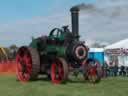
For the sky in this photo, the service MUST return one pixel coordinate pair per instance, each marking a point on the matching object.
(20, 20)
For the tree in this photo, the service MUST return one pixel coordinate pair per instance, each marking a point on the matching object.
(13, 47)
(98, 45)
(12, 51)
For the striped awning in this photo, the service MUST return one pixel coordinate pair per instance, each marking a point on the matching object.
(116, 51)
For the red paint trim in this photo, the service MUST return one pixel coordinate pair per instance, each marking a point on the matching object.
(23, 74)
(57, 72)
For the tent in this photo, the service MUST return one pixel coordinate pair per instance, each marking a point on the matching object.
(3, 54)
(118, 53)
(120, 44)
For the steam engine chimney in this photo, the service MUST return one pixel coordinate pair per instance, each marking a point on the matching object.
(75, 22)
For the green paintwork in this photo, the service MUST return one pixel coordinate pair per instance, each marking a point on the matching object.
(59, 50)
(33, 44)
(59, 35)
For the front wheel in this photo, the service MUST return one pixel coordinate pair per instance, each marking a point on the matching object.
(93, 70)
(59, 71)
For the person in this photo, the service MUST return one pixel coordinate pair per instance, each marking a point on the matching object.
(115, 67)
(111, 68)
(127, 71)
(122, 71)
(105, 69)
(115, 70)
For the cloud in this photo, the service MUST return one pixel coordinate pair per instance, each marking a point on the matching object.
(105, 21)
(20, 32)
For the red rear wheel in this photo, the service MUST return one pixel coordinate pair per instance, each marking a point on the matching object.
(27, 64)
(93, 70)
(59, 71)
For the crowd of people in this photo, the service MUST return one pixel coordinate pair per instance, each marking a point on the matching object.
(112, 69)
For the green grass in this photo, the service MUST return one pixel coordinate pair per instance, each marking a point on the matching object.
(117, 86)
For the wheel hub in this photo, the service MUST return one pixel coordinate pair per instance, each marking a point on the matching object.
(23, 64)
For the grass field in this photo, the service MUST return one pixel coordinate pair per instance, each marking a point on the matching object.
(117, 86)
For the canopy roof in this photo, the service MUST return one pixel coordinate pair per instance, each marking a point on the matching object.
(123, 44)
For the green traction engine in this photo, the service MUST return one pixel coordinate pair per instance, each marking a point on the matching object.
(56, 55)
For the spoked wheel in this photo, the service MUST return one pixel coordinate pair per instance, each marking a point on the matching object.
(93, 70)
(59, 71)
(28, 64)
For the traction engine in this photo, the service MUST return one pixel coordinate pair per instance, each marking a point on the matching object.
(56, 54)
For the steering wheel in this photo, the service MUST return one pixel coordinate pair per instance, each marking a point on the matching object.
(56, 32)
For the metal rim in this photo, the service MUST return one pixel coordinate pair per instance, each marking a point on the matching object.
(76, 51)
(82, 48)
(59, 71)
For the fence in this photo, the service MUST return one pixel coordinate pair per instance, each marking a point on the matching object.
(8, 67)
